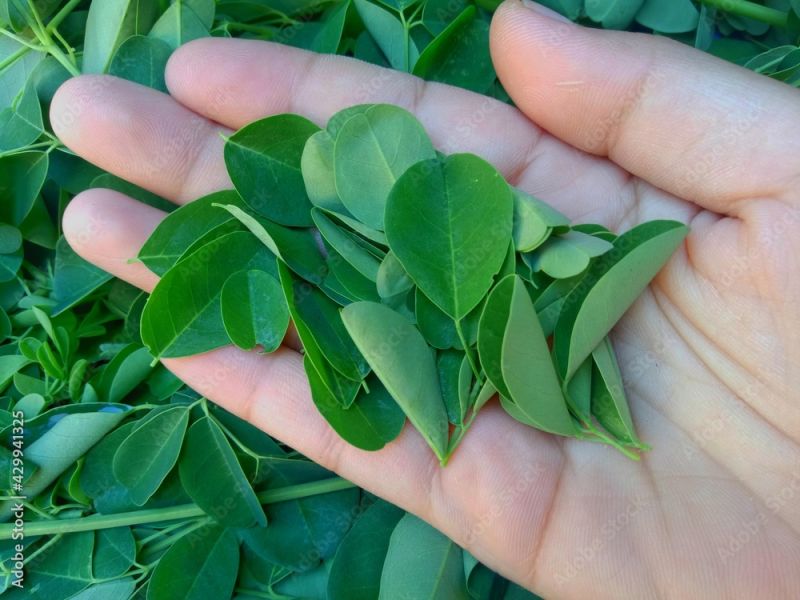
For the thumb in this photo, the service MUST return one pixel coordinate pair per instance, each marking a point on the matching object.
(694, 125)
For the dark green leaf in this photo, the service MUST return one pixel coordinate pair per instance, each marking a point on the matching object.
(147, 455)
(114, 552)
(613, 14)
(254, 310)
(357, 566)
(677, 16)
(21, 178)
(199, 566)
(373, 420)
(227, 495)
(183, 314)
(263, 160)
(142, 60)
(110, 23)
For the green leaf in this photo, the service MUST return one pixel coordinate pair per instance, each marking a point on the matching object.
(533, 221)
(63, 570)
(569, 8)
(448, 364)
(126, 375)
(579, 391)
(677, 16)
(460, 54)
(147, 455)
(21, 123)
(404, 363)
(263, 160)
(449, 222)
(373, 420)
(613, 14)
(183, 314)
(364, 257)
(371, 151)
(392, 278)
(21, 178)
(316, 164)
(199, 566)
(65, 442)
(227, 496)
(114, 552)
(114, 588)
(254, 310)
(355, 285)
(491, 332)
(109, 24)
(527, 367)
(611, 286)
(298, 248)
(180, 230)
(390, 35)
(16, 74)
(321, 330)
(75, 278)
(142, 60)
(356, 574)
(422, 563)
(438, 329)
(608, 400)
(438, 14)
(178, 25)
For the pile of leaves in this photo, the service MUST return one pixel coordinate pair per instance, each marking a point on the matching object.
(454, 284)
(112, 507)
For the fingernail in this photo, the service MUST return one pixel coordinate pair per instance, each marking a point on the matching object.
(545, 12)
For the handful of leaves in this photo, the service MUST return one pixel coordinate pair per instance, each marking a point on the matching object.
(420, 285)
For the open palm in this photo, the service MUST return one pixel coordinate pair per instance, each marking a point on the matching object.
(637, 128)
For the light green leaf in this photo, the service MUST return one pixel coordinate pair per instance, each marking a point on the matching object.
(364, 257)
(371, 151)
(608, 399)
(611, 286)
(422, 563)
(227, 496)
(110, 23)
(449, 222)
(392, 278)
(390, 34)
(491, 332)
(178, 25)
(263, 160)
(404, 363)
(316, 164)
(21, 123)
(528, 370)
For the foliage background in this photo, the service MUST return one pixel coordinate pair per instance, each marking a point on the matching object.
(131, 480)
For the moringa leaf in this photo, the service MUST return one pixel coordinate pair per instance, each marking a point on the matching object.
(404, 363)
(263, 160)
(449, 223)
(371, 151)
(254, 310)
(612, 284)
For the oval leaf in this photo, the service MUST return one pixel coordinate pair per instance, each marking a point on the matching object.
(254, 310)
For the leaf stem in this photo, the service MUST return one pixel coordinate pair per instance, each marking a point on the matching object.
(751, 10)
(61, 15)
(14, 56)
(170, 513)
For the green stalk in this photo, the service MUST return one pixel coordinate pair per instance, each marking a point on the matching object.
(751, 10)
(13, 57)
(170, 513)
(62, 14)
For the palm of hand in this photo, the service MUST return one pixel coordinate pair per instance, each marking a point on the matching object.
(708, 353)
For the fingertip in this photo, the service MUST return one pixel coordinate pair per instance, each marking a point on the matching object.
(71, 101)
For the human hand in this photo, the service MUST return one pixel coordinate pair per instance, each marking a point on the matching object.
(638, 128)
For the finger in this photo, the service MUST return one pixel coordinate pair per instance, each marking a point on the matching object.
(140, 135)
(271, 391)
(108, 229)
(234, 82)
(694, 125)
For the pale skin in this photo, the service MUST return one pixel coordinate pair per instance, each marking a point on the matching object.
(614, 128)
